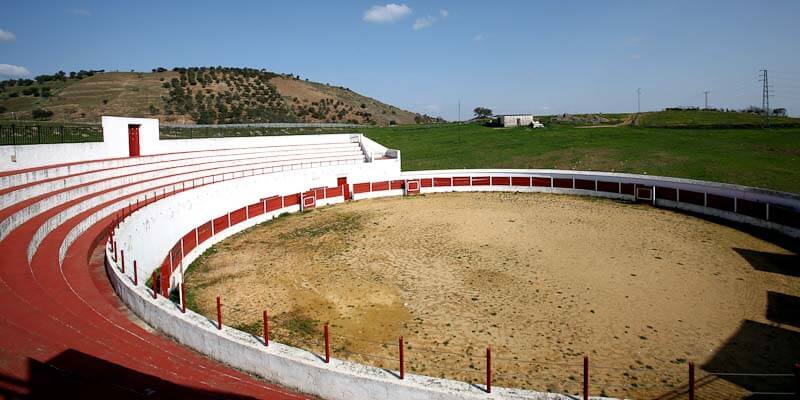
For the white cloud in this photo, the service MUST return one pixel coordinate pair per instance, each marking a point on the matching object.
(428, 20)
(6, 36)
(388, 13)
(479, 37)
(423, 22)
(13, 71)
(78, 11)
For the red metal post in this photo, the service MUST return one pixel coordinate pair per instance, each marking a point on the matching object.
(114, 245)
(327, 345)
(122, 257)
(691, 380)
(183, 299)
(402, 360)
(154, 277)
(585, 377)
(135, 274)
(266, 328)
(489, 368)
(219, 314)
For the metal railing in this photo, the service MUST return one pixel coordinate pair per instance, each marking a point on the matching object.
(14, 134)
(250, 130)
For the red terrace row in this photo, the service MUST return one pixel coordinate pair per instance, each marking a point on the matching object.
(760, 210)
(197, 236)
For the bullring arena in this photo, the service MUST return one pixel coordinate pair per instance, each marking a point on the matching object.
(517, 284)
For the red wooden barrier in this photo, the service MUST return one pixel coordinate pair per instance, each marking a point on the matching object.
(327, 345)
(122, 257)
(255, 209)
(361, 187)
(266, 328)
(135, 274)
(189, 241)
(204, 232)
(402, 360)
(585, 377)
(219, 314)
(238, 216)
(520, 181)
(461, 181)
(489, 369)
(274, 203)
(691, 381)
(501, 180)
(480, 181)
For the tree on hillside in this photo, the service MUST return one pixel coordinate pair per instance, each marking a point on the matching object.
(482, 112)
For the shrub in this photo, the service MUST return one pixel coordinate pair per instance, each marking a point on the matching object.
(41, 113)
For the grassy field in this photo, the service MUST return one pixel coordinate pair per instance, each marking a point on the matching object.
(710, 119)
(753, 157)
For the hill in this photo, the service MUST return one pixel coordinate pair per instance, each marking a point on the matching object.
(207, 95)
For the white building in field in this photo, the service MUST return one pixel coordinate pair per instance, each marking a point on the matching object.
(512, 120)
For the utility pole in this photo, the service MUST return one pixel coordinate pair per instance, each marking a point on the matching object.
(706, 93)
(638, 100)
(764, 78)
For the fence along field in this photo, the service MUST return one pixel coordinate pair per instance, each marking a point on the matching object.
(544, 279)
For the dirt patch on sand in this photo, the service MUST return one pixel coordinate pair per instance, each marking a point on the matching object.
(544, 278)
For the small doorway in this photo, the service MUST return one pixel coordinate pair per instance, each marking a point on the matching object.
(133, 140)
(342, 183)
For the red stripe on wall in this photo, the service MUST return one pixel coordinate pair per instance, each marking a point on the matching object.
(501, 180)
(220, 223)
(361, 187)
(397, 185)
(610, 187)
(238, 216)
(565, 183)
(520, 181)
(426, 182)
(203, 232)
(480, 181)
(292, 199)
(255, 209)
(461, 181)
(584, 184)
(666, 193)
(442, 182)
(189, 241)
(379, 186)
(334, 191)
(628, 188)
(545, 182)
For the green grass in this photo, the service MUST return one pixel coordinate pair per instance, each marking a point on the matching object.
(710, 119)
(768, 158)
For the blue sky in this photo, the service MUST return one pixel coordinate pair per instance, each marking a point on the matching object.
(527, 56)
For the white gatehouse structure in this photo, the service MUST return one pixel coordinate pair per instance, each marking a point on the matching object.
(161, 209)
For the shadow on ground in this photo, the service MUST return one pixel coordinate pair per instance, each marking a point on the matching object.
(77, 375)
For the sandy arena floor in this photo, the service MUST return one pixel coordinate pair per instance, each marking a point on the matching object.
(544, 278)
